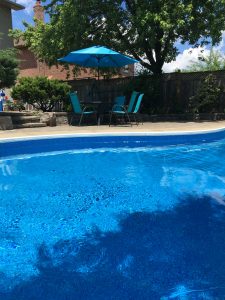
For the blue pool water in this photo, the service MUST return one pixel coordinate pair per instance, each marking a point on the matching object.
(112, 222)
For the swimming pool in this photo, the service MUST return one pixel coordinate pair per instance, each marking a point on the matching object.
(113, 217)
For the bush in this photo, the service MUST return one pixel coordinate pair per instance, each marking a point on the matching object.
(12, 106)
(41, 92)
(8, 68)
(207, 98)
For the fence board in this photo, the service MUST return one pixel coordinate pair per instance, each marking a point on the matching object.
(174, 91)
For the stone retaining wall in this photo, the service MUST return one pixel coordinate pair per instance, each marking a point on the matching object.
(6, 123)
(184, 117)
(62, 118)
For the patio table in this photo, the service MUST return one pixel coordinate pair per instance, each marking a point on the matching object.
(101, 108)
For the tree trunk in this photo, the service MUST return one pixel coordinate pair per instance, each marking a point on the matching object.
(155, 67)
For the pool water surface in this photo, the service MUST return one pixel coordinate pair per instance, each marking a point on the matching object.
(114, 223)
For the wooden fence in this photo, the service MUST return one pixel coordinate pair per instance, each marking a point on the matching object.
(104, 90)
(169, 93)
(177, 88)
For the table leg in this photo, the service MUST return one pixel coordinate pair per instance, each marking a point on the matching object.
(99, 119)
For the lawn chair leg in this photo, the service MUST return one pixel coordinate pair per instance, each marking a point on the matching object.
(81, 117)
(124, 119)
(116, 117)
(71, 120)
(141, 119)
(99, 120)
(110, 119)
(135, 119)
(129, 119)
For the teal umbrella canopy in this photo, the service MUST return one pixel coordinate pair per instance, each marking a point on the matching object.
(99, 57)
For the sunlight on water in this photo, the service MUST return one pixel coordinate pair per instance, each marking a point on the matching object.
(50, 197)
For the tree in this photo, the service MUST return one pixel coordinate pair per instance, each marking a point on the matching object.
(206, 100)
(41, 92)
(214, 61)
(8, 68)
(147, 30)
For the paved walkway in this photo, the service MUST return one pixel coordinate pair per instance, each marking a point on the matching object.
(147, 127)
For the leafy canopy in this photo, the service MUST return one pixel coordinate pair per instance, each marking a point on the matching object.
(41, 92)
(8, 68)
(147, 30)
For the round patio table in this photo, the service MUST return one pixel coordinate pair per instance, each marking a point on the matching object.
(101, 108)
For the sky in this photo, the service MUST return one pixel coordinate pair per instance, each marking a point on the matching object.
(186, 56)
(23, 15)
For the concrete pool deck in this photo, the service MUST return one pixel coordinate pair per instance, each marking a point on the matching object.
(159, 127)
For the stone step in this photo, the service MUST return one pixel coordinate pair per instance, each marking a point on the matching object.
(25, 119)
(16, 113)
(29, 125)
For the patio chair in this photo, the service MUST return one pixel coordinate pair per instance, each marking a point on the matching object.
(120, 100)
(78, 110)
(118, 103)
(137, 108)
(121, 110)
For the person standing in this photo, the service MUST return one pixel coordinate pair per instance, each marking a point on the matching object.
(2, 98)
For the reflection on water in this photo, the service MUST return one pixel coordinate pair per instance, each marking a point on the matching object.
(8, 167)
(194, 181)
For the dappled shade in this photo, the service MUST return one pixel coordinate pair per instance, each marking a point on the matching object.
(158, 255)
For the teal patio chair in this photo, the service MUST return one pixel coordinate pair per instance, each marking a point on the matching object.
(122, 110)
(78, 110)
(137, 108)
(119, 102)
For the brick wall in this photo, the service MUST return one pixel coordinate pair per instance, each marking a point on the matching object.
(30, 66)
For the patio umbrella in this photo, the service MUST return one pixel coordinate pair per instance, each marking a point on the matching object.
(98, 57)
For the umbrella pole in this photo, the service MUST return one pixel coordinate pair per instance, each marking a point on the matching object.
(98, 84)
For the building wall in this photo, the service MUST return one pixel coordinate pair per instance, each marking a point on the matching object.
(5, 25)
(31, 67)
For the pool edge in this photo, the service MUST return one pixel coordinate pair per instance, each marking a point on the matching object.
(113, 134)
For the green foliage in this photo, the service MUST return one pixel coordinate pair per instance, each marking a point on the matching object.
(41, 92)
(8, 68)
(147, 30)
(14, 106)
(213, 62)
(207, 97)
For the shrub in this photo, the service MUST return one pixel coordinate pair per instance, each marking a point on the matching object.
(41, 92)
(8, 68)
(207, 97)
(12, 106)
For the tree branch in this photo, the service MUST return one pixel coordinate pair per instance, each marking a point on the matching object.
(128, 46)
